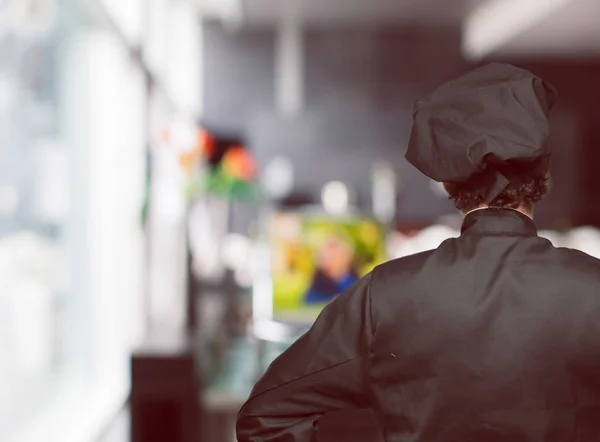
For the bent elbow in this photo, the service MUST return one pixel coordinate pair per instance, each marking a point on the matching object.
(248, 427)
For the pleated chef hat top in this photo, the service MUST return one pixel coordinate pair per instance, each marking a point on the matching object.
(493, 120)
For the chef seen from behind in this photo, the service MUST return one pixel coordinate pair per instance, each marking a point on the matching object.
(492, 337)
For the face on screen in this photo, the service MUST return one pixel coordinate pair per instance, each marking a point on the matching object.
(315, 258)
(335, 258)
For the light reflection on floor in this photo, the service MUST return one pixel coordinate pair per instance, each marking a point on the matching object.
(119, 430)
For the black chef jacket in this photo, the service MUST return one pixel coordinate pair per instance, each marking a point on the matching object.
(492, 337)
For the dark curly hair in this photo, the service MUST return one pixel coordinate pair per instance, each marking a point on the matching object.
(522, 192)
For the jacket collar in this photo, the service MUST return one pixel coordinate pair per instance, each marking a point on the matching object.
(498, 222)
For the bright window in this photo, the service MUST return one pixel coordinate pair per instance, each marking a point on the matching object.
(72, 177)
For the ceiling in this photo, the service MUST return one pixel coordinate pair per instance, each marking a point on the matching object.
(571, 28)
(572, 31)
(359, 12)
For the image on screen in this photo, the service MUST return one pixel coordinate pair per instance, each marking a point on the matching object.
(316, 257)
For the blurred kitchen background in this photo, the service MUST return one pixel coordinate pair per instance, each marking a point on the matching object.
(160, 160)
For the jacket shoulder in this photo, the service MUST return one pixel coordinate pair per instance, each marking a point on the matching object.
(577, 260)
(403, 266)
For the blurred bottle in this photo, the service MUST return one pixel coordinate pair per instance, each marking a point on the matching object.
(383, 182)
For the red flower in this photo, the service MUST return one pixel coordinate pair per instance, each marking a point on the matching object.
(206, 143)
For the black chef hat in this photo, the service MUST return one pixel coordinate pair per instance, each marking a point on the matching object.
(488, 122)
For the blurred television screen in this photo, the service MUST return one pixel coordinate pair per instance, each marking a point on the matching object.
(316, 257)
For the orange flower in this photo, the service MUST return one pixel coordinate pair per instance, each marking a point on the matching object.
(239, 164)
(187, 161)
